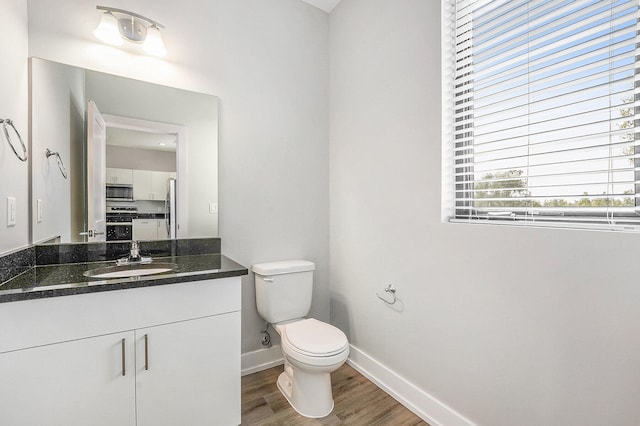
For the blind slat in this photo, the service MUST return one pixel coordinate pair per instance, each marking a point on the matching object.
(544, 111)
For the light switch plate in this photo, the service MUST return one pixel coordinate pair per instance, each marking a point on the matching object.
(11, 211)
(213, 208)
(39, 210)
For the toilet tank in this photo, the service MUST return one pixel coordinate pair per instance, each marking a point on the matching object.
(283, 289)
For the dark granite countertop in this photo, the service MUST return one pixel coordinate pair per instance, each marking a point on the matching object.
(149, 216)
(52, 280)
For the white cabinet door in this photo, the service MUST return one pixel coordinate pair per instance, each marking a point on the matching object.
(124, 176)
(188, 373)
(163, 232)
(74, 383)
(142, 185)
(159, 185)
(149, 229)
(150, 185)
(121, 176)
(145, 229)
(111, 175)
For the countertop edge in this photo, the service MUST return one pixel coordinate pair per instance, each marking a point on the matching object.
(88, 287)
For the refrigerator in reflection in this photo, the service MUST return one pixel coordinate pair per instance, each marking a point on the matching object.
(170, 209)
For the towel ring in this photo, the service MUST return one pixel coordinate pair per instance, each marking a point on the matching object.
(6, 134)
(49, 153)
(390, 290)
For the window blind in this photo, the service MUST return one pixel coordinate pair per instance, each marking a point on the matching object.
(545, 112)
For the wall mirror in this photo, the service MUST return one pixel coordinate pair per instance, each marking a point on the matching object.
(109, 151)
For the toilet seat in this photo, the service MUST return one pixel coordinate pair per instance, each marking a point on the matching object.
(313, 342)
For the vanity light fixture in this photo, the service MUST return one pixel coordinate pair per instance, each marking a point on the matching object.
(117, 26)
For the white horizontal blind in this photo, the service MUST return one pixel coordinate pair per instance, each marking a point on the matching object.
(546, 111)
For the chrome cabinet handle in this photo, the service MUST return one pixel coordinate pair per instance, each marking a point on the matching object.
(146, 352)
(124, 370)
(91, 233)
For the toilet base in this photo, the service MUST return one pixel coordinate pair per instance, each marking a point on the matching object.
(310, 395)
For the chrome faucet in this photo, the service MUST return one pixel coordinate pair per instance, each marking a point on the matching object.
(134, 256)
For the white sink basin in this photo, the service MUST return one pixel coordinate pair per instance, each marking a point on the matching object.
(130, 270)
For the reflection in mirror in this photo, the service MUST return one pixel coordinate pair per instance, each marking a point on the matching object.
(156, 138)
(141, 179)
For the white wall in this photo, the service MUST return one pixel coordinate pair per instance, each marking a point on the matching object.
(57, 113)
(507, 326)
(122, 157)
(268, 63)
(14, 174)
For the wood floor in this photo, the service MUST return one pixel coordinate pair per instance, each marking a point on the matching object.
(357, 402)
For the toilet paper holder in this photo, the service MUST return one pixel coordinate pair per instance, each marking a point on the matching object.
(390, 289)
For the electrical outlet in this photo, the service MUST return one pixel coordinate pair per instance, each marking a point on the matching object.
(11, 211)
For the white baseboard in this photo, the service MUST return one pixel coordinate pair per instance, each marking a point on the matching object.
(262, 359)
(421, 403)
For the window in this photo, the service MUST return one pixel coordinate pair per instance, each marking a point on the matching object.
(543, 113)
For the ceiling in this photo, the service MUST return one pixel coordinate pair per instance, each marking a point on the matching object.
(141, 140)
(326, 5)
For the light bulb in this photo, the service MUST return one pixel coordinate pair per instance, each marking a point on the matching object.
(153, 44)
(107, 30)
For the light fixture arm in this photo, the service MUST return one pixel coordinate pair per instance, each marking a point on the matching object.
(132, 14)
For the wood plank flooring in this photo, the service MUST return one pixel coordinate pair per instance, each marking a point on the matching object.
(357, 402)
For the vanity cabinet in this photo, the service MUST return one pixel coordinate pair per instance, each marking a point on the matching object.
(78, 382)
(150, 185)
(121, 176)
(184, 356)
(154, 356)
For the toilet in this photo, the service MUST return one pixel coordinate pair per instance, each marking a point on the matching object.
(312, 349)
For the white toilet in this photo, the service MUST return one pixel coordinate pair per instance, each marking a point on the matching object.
(312, 349)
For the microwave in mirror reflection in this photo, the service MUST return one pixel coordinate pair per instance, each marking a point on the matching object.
(119, 192)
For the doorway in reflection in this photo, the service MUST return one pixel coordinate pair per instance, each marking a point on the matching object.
(141, 179)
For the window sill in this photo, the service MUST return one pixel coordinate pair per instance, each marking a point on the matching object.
(541, 224)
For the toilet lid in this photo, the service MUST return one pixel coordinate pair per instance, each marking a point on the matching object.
(315, 337)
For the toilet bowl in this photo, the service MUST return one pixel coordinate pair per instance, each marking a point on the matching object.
(312, 349)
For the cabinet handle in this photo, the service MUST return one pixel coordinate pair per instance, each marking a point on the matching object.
(124, 371)
(146, 351)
